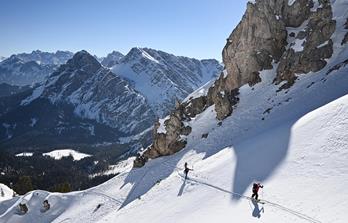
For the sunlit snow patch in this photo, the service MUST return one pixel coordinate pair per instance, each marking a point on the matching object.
(58, 154)
(25, 154)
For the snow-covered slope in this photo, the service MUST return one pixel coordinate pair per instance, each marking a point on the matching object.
(294, 141)
(6, 193)
(163, 77)
(60, 153)
(300, 160)
(299, 152)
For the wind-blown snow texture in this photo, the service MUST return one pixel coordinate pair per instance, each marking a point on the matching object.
(295, 142)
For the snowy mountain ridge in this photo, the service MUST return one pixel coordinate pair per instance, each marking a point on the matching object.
(89, 91)
(112, 59)
(83, 101)
(162, 77)
(31, 68)
(57, 58)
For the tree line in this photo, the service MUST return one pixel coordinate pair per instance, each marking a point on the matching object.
(24, 174)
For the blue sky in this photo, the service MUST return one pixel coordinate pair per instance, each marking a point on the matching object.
(194, 28)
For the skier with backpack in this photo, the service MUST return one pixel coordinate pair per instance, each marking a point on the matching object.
(256, 187)
(186, 170)
(46, 205)
(23, 208)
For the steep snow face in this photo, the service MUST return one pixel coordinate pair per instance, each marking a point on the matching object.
(163, 77)
(28, 69)
(60, 153)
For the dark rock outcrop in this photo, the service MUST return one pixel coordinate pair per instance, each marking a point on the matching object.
(316, 46)
(168, 142)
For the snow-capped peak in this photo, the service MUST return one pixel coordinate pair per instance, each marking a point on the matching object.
(164, 77)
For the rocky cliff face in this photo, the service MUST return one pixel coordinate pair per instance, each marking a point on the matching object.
(295, 36)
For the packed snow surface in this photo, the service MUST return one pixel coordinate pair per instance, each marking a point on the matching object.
(58, 154)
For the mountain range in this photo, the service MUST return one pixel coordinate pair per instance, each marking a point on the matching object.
(83, 102)
(31, 68)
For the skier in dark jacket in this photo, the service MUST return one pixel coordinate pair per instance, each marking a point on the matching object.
(256, 187)
(186, 170)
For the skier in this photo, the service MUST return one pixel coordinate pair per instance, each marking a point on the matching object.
(46, 205)
(23, 208)
(2, 193)
(186, 170)
(256, 187)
